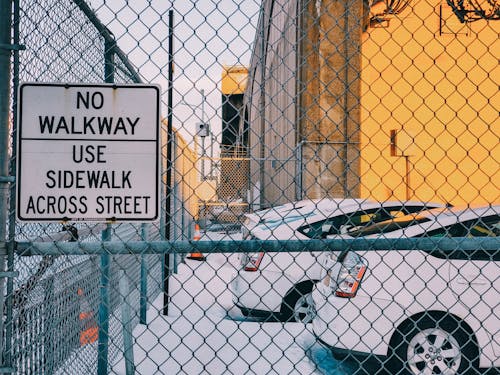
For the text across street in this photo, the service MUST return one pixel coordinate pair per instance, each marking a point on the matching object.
(88, 152)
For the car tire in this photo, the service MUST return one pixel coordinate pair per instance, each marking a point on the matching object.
(297, 304)
(440, 344)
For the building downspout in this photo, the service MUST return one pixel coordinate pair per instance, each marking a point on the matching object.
(346, 107)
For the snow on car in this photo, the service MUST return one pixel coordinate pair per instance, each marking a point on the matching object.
(429, 312)
(280, 284)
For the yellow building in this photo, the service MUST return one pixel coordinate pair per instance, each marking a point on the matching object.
(430, 107)
(401, 106)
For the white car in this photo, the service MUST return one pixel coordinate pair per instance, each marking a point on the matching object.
(280, 284)
(426, 312)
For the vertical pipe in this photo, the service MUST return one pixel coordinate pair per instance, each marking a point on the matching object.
(109, 61)
(168, 214)
(103, 337)
(203, 158)
(202, 105)
(345, 121)
(144, 279)
(128, 351)
(299, 37)
(13, 169)
(299, 193)
(5, 91)
(48, 345)
(262, 107)
(407, 177)
(203, 151)
(177, 199)
(178, 211)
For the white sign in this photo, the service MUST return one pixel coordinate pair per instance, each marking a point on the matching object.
(88, 152)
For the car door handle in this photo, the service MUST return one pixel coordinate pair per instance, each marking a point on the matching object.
(472, 280)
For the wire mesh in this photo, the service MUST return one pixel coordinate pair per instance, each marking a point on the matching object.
(328, 200)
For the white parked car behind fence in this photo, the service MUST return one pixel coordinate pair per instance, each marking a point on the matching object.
(280, 284)
(429, 312)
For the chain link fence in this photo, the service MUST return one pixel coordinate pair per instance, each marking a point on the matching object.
(328, 190)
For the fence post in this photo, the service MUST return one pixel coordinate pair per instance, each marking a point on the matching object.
(5, 93)
(103, 339)
(48, 303)
(168, 199)
(178, 216)
(144, 279)
(128, 351)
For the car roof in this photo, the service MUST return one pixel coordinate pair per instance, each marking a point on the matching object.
(326, 208)
(302, 207)
(331, 204)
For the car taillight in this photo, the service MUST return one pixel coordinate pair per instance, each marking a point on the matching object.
(251, 261)
(350, 275)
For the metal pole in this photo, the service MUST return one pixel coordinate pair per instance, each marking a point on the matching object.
(203, 158)
(262, 109)
(203, 150)
(128, 341)
(245, 246)
(212, 141)
(5, 92)
(202, 106)
(345, 120)
(48, 317)
(13, 169)
(144, 279)
(168, 213)
(178, 229)
(109, 61)
(407, 177)
(103, 338)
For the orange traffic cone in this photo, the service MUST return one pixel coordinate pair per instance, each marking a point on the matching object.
(89, 331)
(196, 237)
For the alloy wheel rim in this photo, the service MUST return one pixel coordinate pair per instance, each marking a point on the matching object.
(434, 351)
(303, 310)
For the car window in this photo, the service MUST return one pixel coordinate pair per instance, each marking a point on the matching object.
(481, 227)
(354, 221)
(389, 225)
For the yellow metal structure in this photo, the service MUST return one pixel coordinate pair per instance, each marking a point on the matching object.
(234, 79)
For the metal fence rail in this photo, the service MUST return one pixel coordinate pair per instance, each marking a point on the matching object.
(328, 190)
(238, 246)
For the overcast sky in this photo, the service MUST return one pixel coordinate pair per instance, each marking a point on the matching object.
(208, 35)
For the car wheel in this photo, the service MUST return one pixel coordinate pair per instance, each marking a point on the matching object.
(298, 305)
(433, 346)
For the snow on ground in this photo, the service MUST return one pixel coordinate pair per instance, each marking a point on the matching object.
(205, 334)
